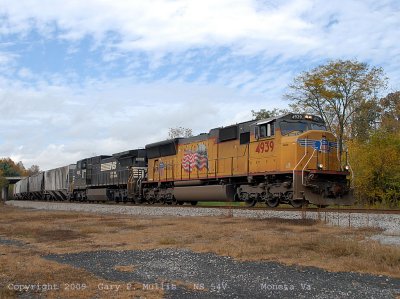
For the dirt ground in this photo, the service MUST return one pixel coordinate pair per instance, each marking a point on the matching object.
(27, 235)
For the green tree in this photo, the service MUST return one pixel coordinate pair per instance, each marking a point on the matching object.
(264, 114)
(377, 168)
(21, 167)
(390, 112)
(3, 181)
(9, 168)
(364, 121)
(338, 92)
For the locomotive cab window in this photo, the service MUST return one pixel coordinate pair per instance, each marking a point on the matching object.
(293, 128)
(317, 126)
(267, 130)
(298, 127)
(245, 138)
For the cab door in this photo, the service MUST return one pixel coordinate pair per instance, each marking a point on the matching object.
(263, 149)
(156, 170)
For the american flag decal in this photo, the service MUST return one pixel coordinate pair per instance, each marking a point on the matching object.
(197, 159)
(322, 145)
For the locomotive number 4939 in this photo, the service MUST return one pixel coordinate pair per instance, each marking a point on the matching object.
(265, 146)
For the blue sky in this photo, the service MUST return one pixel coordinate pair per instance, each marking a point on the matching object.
(79, 78)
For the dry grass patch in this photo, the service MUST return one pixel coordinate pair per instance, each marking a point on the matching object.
(57, 235)
(168, 241)
(300, 241)
(37, 232)
(282, 221)
(6, 293)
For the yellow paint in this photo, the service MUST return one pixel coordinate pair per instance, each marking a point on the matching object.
(263, 156)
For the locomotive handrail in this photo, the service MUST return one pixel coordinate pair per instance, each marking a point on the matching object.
(302, 171)
(294, 169)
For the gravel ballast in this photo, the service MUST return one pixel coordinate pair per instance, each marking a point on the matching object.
(11, 242)
(186, 274)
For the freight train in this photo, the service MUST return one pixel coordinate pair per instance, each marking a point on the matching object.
(285, 159)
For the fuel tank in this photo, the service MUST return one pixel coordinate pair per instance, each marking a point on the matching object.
(205, 193)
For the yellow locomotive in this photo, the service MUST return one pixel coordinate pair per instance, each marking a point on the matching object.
(286, 159)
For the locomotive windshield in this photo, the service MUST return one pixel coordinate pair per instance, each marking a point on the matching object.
(315, 126)
(296, 128)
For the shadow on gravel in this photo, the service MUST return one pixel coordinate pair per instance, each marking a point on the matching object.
(187, 274)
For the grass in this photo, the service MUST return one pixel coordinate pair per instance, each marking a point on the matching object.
(293, 242)
(168, 241)
(6, 293)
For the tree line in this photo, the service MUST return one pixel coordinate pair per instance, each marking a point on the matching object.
(347, 94)
(8, 168)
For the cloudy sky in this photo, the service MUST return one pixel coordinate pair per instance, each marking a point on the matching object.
(82, 78)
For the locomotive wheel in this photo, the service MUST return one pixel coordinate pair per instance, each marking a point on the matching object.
(193, 203)
(272, 202)
(174, 201)
(137, 201)
(251, 202)
(297, 203)
(181, 203)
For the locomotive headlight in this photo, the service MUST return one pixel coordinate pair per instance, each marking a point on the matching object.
(320, 166)
(347, 167)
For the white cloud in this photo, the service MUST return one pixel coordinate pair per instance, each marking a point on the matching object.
(5, 58)
(292, 27)
(311, 30)
(25, 73)
(56, 125)
(51, 123)
(166, 25)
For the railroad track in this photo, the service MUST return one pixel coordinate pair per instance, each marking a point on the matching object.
(256, 208)
(321, 210)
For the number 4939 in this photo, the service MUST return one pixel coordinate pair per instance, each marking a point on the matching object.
(265, 146)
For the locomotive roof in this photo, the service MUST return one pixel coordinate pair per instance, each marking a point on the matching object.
(168, 147)
(130, 153)
(292, 116)
(267, 120)
(164, 142)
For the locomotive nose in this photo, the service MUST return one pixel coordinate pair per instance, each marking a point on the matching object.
(318, 149)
